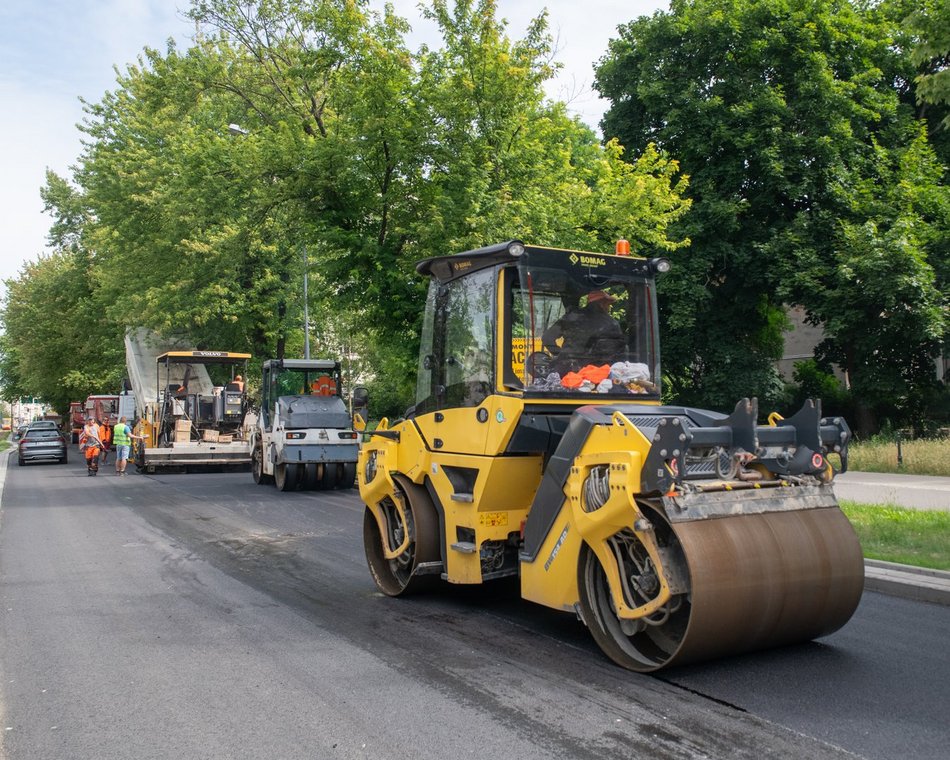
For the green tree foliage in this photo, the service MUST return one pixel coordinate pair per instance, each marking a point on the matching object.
(55, 335)
(930, 24)
(811, 184)
(58, 343)
(368, 155)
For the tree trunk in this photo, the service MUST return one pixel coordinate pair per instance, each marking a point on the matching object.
(281, 336)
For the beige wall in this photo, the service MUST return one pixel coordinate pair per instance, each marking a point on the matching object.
(800, 342)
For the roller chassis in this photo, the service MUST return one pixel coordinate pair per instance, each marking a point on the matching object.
(617, 549)
(303, 441)
(675, 534)
(315, 462)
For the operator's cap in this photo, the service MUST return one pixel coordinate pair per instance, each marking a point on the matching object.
(598, 295)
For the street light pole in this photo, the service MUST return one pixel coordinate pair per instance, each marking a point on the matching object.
(306, 312)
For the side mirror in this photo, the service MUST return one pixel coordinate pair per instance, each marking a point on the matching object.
(360, 407)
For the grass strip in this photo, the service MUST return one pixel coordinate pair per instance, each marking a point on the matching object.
(920, 457)
(907, 536)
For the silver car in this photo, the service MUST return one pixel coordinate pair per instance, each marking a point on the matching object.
(42, 425)
(39, 444)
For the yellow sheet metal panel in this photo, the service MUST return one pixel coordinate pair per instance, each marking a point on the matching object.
(462, 430)
(411, 456)
(551, 579)
(489, 497)
(504, 414)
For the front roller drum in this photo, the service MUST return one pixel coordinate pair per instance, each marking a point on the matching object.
(754, 581)
(400, 575)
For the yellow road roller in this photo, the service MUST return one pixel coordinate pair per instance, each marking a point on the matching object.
(538, 446)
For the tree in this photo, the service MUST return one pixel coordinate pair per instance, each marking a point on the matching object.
(367, 155)
(930, 23)
(784, 116)
(55, 333)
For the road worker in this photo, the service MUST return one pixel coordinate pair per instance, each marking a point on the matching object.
(90, 443)
(323, 386)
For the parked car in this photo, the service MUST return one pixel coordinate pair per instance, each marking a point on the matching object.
(18, 433)
(39, 444)
(43, 425)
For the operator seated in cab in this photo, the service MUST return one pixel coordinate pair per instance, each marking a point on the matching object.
(323, 386)
(584, 335)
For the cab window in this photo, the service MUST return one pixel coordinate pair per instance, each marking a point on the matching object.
(455, 366)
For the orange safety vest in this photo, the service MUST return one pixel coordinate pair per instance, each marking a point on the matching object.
(323, 386)
(91, 450)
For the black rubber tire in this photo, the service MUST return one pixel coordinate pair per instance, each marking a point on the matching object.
(64, 460)
(330, 476)
(309, 480)
(21, 462)
(257, 467)
(349, 476)
(285, 477)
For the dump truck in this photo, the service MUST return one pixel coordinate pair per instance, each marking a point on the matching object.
(107, 407)
(304, 437)
(191, 405)
(538, 447)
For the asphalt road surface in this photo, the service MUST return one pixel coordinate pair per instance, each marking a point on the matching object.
(201, 616)
(914, 491)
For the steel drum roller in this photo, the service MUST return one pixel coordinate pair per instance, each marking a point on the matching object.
(768, 579)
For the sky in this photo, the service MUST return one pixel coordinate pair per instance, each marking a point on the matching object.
(54, 52)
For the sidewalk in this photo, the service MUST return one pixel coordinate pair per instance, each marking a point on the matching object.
(912, 491)
(4, 459)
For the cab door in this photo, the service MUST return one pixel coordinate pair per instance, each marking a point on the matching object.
(456, 365)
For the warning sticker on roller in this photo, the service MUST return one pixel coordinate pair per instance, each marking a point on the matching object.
(493, 519)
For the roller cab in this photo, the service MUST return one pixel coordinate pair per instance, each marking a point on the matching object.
(538, 447)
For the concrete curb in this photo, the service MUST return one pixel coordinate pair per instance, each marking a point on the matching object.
(917, 583)
(4, 459)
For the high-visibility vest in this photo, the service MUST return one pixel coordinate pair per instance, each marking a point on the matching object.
(120, 435)
(323, 386)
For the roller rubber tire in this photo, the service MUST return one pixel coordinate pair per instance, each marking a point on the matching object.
(329, 480)
(285, 477)
(308, 476)
(349, 476)
(257, 468)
